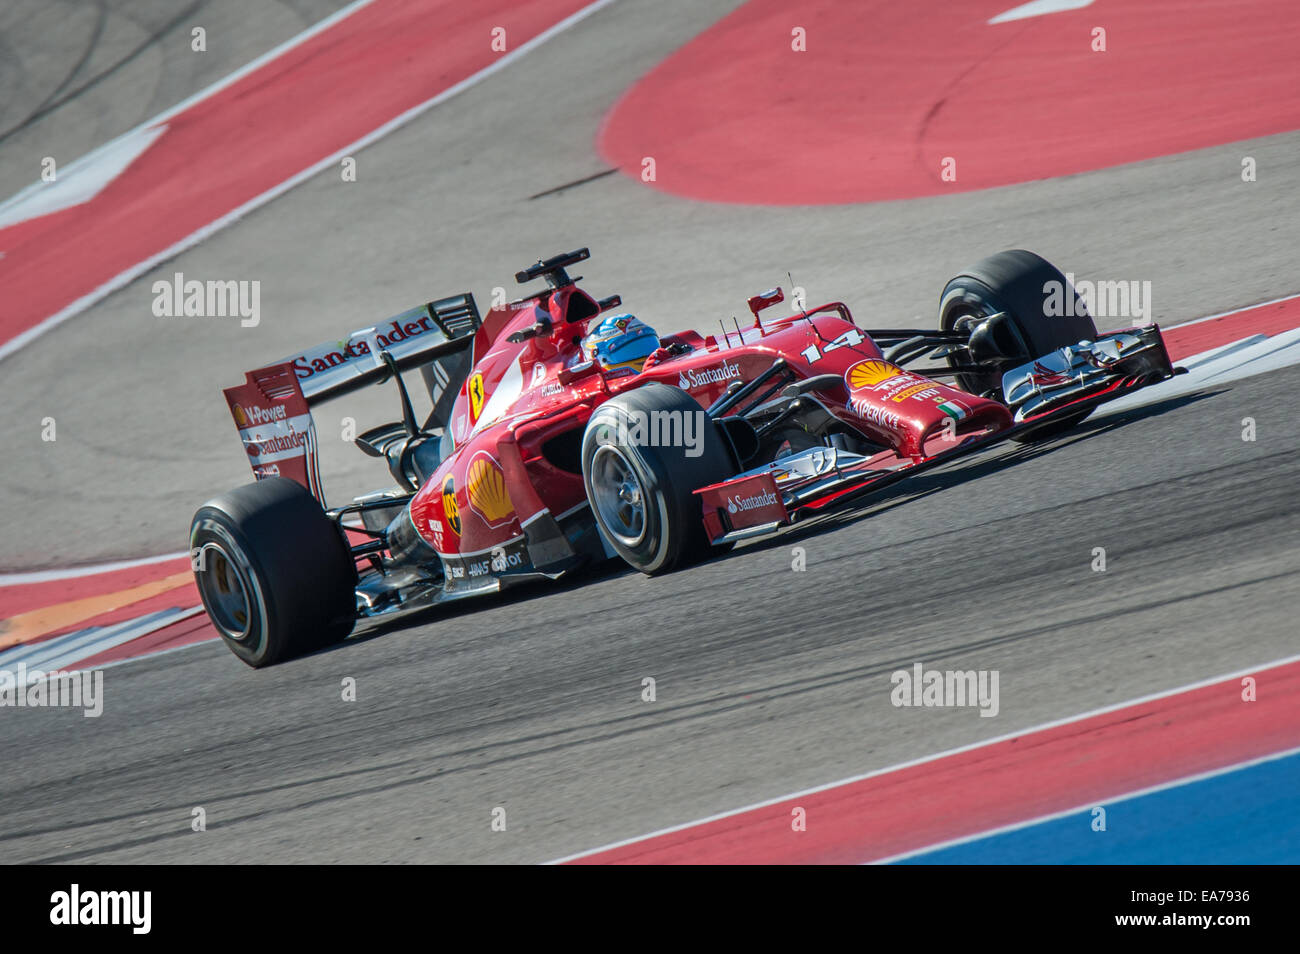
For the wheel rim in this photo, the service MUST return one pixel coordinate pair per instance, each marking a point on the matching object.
(986, 383)
(619, 497)
(225, 592)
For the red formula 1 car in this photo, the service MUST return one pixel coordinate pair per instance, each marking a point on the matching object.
(534, 460)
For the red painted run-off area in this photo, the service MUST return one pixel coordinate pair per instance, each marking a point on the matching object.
(196, 629)
(24, 598)
(15, 601)
(887, 89)
(1183, 341)
(225, 150)
(1004, 783)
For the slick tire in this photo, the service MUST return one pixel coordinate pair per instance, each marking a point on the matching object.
(1013, 282)
(642, 493)
(274, 572)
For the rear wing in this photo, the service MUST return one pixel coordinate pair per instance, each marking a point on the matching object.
(413, 338)
(272, 408)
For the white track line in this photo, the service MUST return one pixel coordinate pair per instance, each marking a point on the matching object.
(1243, 359)
(1056, 723)
(1193, 362)
(1237, 311)
(153, 654)
(66, 652)
(1113, 800)
(50, 576)
(135, 271)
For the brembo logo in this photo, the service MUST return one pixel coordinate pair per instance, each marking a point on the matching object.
(738, 504)
(691, 378)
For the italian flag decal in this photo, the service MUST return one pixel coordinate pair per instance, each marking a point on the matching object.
(954, 411)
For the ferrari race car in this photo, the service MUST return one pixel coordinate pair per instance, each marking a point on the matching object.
(536, 459)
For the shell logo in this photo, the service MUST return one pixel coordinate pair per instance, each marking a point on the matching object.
(241, 419)
(449, 508)
(488, 496)
(869, 373)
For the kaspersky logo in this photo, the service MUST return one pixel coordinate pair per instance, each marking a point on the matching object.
(692, 378)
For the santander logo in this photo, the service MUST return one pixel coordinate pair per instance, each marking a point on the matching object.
(738, 504)
(692, 378)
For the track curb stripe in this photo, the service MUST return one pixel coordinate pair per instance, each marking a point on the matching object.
(1092, 756)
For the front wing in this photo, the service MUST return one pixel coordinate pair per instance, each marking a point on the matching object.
(1054, 388)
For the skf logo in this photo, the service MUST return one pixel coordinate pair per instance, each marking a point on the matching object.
(475, 397)
(867, 374)
(449, 508)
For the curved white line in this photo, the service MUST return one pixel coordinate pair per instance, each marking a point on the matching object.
(81, 181)
(135, 271)
(71, 573)
(1038, 8)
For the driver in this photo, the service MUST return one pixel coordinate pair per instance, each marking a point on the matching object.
(620, 341)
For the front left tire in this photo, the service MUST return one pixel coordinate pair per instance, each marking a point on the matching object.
(642, 491)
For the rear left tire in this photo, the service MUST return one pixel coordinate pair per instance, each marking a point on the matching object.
(273, 571)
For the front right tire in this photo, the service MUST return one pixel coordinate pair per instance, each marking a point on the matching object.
(1015, 282)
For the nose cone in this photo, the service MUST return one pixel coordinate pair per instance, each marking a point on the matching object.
(906, 411)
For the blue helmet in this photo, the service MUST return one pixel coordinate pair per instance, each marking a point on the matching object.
(620, 341)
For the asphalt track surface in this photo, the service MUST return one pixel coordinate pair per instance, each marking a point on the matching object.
(768, 680)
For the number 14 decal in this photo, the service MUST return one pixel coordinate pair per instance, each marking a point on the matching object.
(851, 338)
